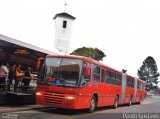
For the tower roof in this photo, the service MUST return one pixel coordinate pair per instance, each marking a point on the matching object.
(64, 14)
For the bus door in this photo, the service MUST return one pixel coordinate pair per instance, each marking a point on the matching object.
(135, 89)
(85, 91)
(139, 90)
(97, 84)
(124, 80)
(103, 87)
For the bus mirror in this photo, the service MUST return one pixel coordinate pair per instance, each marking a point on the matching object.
(39, 63)
(86, 71)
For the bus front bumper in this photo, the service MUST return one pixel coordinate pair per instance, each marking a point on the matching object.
(67, 101)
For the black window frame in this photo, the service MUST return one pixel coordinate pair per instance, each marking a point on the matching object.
(103, 75)
(113, 78)
(130, 82)
(96, 73)
(64, 24)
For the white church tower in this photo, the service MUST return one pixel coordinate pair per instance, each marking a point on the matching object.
(63, 24)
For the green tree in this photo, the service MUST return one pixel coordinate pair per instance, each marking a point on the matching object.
(148, 72)
(124, 71)
(94, 53)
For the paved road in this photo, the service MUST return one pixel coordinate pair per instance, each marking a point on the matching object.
(146, 109)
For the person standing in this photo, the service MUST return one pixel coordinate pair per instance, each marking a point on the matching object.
(3, 74)
(11, 76)
(26, 79)
(18, 77)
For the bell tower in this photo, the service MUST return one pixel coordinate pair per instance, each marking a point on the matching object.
(63, 24)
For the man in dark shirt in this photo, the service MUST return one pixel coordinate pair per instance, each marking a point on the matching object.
(26, 79)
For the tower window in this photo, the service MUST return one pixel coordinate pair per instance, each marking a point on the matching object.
(64, 24)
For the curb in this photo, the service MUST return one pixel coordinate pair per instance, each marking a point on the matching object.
(18, 109)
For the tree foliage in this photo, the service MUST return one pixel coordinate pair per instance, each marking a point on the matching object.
(94, 53)
(148, 72)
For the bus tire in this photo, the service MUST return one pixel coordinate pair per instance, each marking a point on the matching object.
(140, 100)
(115, 102)
(93, 104)
(130, 101)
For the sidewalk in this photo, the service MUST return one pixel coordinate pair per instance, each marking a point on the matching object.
(17, 108)
(150, 99)
(8, 98)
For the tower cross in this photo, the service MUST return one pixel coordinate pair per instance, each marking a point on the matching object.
(65, 7)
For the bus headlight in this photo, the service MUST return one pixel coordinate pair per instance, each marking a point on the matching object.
(38, 93)
(70, 97)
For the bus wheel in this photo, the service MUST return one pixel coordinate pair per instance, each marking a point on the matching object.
(93, 104)
(115, 102)
(140, 100)
(130, 102)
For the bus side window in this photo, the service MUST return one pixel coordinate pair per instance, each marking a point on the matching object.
(86, 74)
(107, 76)
(87, 71)
(140, 85)
(96, 73)
(110, 77)
(102, 75)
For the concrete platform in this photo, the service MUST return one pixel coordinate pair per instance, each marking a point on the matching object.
(11, 98)
(2, 98)
(18, 108)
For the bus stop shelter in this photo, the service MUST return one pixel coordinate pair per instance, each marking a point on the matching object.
(13, 51)
(18, 52)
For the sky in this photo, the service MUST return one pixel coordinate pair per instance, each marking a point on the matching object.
(127, 31)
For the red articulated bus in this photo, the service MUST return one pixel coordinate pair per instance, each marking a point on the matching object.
(77, 82)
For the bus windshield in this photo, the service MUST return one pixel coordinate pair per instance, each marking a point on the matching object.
(61, 72)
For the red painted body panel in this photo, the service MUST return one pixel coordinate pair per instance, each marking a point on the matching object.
(56, 96)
